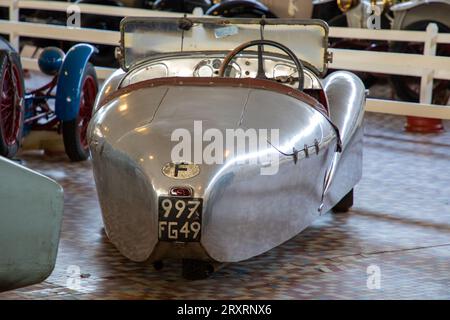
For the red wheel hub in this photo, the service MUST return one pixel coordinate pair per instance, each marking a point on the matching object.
(10, 104)
(88, 94)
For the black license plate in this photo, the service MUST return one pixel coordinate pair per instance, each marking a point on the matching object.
(180, 219)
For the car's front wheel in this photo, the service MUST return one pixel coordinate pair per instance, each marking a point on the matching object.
(75, 131)
(345, 204)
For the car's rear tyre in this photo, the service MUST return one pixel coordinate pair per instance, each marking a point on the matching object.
(196, 269)
(345, 204)
(75, 131)
(12, 109)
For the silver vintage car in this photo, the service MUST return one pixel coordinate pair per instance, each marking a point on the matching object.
(193, 82)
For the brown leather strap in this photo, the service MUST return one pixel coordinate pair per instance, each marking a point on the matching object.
(228, 82)
(218, 82)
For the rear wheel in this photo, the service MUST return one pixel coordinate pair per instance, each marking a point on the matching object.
(75, 131)
(345, 204)
(11, 104)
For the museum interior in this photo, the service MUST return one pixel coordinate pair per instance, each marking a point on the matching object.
(231, 150)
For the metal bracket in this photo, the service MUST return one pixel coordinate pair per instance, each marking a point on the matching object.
(295, 155)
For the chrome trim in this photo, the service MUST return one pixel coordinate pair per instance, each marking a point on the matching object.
(415, 3)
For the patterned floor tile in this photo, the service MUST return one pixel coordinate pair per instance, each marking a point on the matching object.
(399, 225)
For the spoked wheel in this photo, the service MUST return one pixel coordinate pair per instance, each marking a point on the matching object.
(11, 104)
(408, 88)
(345, 204)
(75, 131)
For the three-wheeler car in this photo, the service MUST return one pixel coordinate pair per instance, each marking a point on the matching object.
(170, 185)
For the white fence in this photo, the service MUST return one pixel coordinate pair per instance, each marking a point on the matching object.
(427, 66)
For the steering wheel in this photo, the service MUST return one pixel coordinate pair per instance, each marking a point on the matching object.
(261, 74)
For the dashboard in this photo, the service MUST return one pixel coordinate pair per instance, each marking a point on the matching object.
(243, 66)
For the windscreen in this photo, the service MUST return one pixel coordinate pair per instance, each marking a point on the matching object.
(144, 38)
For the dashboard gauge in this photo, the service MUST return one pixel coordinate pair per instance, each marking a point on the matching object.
(210, 68)
(205, 71)
(284, 70)
(216, 64)
(159, 70)
(276, 69)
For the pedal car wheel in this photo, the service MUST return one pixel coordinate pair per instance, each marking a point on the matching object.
(345, 204)
(11, 104)
(75, 131)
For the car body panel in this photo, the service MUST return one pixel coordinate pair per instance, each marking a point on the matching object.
(128, 159)
(408, 13)
(30, 222)
(414, 3)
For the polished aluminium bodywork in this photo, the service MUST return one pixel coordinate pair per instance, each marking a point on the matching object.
(244, 213)
(31, 213)
(400, 14)
(410, 12)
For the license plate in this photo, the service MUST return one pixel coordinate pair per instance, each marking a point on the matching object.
(180, 219)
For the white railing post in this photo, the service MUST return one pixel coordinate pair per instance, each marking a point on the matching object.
(426, 83)
(14, 16)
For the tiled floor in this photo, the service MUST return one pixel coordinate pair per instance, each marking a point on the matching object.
(399, 226)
